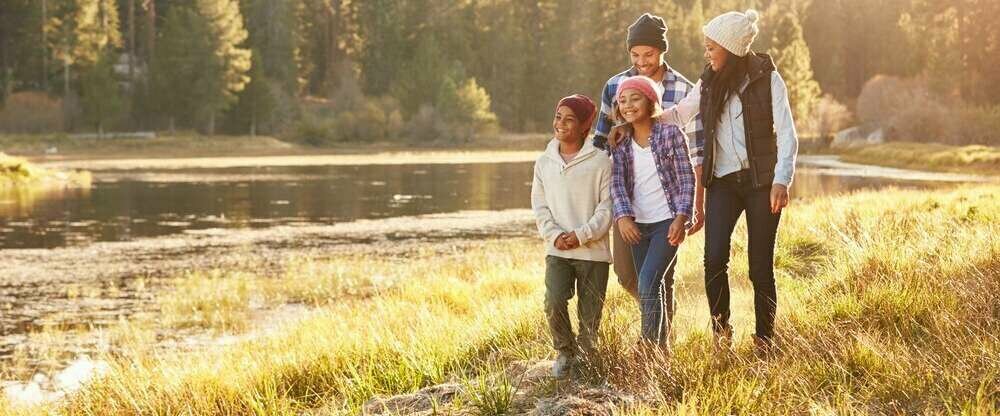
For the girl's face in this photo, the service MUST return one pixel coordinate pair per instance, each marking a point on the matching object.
(715, 54)
(568, 128)
(633, 106)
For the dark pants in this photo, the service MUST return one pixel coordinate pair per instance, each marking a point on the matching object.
(590, 280)
(655, 260)
(725, 200)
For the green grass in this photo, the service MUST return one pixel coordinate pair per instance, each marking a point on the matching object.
(888, 305)
(18, 175)
(980, 160)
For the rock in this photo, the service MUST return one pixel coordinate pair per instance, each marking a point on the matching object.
(857, 135)
(415, 403)
(530, 372)
(587, 402)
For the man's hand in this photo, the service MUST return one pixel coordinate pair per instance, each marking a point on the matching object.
(630, 231)
(676, 232)
(779, 198)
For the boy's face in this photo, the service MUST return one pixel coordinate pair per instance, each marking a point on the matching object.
(568, 128)
(646, 59)
(633, 105)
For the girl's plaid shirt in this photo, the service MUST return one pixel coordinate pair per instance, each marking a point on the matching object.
(673, 165)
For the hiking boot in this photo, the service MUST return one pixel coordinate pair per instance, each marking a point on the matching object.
(763, 348)
(722, 340)
(563, 365)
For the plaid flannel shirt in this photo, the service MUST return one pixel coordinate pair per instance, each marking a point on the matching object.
(675, 88)
(673, 166)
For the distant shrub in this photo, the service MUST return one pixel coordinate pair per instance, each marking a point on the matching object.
(829, 117)
(368, 119)
(31, 112)
(909, 110)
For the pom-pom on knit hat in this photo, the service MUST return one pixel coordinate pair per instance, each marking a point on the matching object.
(734, 31)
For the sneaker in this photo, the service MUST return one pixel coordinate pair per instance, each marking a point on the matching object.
(563, 365)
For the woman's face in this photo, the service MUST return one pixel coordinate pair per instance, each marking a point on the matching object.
(633, 106)
(568, 128)
(715, 54)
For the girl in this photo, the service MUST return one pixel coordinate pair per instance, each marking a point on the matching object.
(572, 206)
(652, 189)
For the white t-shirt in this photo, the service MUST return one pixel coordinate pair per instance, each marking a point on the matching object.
(649, 202)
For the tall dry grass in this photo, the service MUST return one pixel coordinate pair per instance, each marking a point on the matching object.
(887, 305)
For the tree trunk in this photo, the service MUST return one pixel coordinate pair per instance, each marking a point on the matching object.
(45, 46)
(131, 43)
(211, 123)
(100, 130)
(150, 6)
(171, 124)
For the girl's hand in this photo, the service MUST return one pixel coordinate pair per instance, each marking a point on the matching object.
(677, 232)
(699, 220)
(779, 198)
(630, 231)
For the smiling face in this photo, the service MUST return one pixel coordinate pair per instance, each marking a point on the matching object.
(646, 60)
(633, 106)
(568, 128)
(715, 54)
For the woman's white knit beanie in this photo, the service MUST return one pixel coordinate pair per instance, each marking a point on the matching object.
(735, 31)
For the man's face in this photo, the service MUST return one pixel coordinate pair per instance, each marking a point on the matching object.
(646, 59)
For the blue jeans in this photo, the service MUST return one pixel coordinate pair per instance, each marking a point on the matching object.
(655, 259)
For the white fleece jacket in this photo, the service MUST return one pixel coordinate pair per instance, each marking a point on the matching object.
(575, 197)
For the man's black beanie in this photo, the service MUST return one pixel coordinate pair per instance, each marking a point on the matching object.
(648, 30)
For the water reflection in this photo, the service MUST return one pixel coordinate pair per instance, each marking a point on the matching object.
(124, 206)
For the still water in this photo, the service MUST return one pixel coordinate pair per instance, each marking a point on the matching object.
(126, 205)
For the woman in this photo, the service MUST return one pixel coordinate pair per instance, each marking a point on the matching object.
(750, 149)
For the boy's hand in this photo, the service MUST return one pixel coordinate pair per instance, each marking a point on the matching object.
(677, 232)
(560, 242)
(630, 231)
(571, 240)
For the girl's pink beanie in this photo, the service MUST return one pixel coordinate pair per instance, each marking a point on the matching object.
(644, 85)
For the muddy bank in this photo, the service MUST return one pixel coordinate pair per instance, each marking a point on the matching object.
(96, 285)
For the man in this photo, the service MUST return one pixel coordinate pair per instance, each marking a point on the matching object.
(647, 46)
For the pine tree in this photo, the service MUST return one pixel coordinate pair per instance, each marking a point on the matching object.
(101, 96)
(273, 35)
(233, 61)
(791, 55)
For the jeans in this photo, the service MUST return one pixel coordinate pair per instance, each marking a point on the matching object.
(655, 259)
(590, 281)
(726, 199)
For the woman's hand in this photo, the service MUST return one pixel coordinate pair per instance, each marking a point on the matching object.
(630, 231)
(779, 198)
(677, 232)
